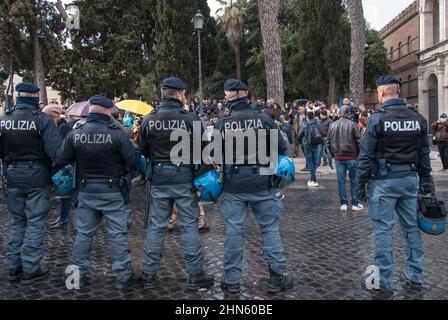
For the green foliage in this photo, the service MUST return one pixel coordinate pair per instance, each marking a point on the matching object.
(106, 55)
(125, 48)
(375, 62)
(176, 41)
(17, 18)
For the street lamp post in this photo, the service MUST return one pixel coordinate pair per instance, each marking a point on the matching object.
(198, 21)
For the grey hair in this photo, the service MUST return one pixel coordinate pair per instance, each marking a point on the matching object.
(99, 109)
(26, 94)
(169, 93)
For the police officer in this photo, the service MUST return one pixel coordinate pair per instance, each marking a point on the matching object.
(171, 183)
(394, 154)
(28, 143)
(101, 151)
(246, 185)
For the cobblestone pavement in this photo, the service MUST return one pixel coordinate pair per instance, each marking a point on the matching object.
(327, 252)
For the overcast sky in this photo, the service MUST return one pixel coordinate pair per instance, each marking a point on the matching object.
(377, 12)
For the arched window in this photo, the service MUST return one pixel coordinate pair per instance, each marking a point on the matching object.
(410, 86)
(409, 44)
(399, 50)
(392, 53)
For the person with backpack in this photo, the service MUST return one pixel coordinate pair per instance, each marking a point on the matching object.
(311, 138)
(344, 139)
(440, 129)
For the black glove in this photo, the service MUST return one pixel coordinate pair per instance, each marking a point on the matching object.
(362, 193)
(427, 185)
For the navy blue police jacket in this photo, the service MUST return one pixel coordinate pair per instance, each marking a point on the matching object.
(28, 143)
(397, 135)
(156, 145)
(100, 149)
(244, 178)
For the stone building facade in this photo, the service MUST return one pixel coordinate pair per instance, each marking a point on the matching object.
(433, 56)
(401, 38)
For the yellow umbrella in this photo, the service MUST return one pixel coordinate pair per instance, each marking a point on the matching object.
(135, 106)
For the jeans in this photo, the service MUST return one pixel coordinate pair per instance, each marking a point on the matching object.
(28, 209)
(66, 204)
(91, 210)
(387, 197)
(324, 152)
(267, 209)
(161, 209)
(311, 161)
(341, 170)
(443, 151)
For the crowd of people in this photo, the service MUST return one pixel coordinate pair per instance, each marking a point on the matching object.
(310, 130)
(380, 156)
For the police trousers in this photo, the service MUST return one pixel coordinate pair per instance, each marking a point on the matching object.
(92, 208)
(387, 197)
(161, 208)
(267, 209)
(28, 209)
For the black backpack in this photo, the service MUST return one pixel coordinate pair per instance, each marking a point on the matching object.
(314, 135)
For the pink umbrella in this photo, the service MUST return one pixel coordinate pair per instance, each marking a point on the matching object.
(81, 109)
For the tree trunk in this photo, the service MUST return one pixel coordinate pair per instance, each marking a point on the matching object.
(268, 10)
(38, 64)
(238, 62)
(358, 41)
(331, 89)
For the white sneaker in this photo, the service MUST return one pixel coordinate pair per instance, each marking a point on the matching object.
(344, 207)
(359, 207)
(312, 184)
(309, 183)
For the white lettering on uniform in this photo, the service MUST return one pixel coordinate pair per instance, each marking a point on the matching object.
(93, 138)
(401, 126)
(244, 125)
(18, 125)
(165, 125)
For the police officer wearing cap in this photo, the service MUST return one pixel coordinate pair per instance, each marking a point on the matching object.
(28, 143)
(245, 184)
(171, 183)
(102, 154)
(393, 163)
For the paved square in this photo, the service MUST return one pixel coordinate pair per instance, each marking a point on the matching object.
(327, 252)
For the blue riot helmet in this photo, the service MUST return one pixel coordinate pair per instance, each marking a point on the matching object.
(63, 181)
(207, 181)
(432, 215)
(284, 172)
(142, 165)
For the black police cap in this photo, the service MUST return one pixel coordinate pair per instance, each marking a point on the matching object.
(27, 87)
(174, 83)
(101, 101)
(385, 80)
(235, 85)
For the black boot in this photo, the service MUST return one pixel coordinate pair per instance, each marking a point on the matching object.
(60, 223)
(31, 278)
(149, 281)
(83, 282)
(15, 274)
(409, 283)
(230, 288)
(200, 281)
(279, 282)
(132, 281)
(204, 229)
